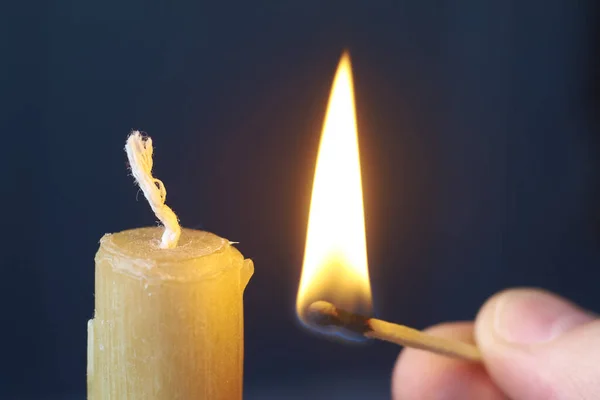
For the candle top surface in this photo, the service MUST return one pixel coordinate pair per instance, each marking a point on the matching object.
(145, 243)
(141, 254)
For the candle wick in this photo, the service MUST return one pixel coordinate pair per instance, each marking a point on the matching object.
(139, 153)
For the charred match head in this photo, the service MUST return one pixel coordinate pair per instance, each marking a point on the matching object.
(325, 315)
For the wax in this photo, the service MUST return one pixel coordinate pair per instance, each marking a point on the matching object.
(168, 323)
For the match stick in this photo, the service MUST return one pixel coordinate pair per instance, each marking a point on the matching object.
(323, 313)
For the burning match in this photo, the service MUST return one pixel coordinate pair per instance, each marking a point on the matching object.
(335, 291)
(324, 314)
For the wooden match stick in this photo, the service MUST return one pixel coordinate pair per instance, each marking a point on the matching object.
(323, 313)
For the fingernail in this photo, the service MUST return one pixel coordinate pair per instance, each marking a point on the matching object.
(528, 316)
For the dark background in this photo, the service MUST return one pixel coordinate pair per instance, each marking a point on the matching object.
(479, 150)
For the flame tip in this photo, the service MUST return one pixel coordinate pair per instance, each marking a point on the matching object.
(345, 61)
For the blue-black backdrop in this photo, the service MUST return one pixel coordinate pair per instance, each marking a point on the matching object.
(478, 141)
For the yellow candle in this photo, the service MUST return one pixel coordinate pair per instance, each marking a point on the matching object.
(168, 322)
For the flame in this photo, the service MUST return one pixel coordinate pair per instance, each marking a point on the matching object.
(335, 258)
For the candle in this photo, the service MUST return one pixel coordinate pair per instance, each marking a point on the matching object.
(168, 320)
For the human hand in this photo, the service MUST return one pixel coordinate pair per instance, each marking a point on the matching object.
(535, 346)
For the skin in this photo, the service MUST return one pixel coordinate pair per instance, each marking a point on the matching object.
(535, 345)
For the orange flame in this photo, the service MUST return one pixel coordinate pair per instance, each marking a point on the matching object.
(335, 259)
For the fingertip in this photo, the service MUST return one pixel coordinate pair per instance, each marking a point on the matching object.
(422, 375)
(523, 332)
(526, 317)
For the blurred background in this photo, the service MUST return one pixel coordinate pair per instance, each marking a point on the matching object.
(479, 139)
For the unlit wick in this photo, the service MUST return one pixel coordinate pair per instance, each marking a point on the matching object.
(323, 313)
(139, 153)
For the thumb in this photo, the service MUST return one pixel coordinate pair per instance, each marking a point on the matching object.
(537, 345)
